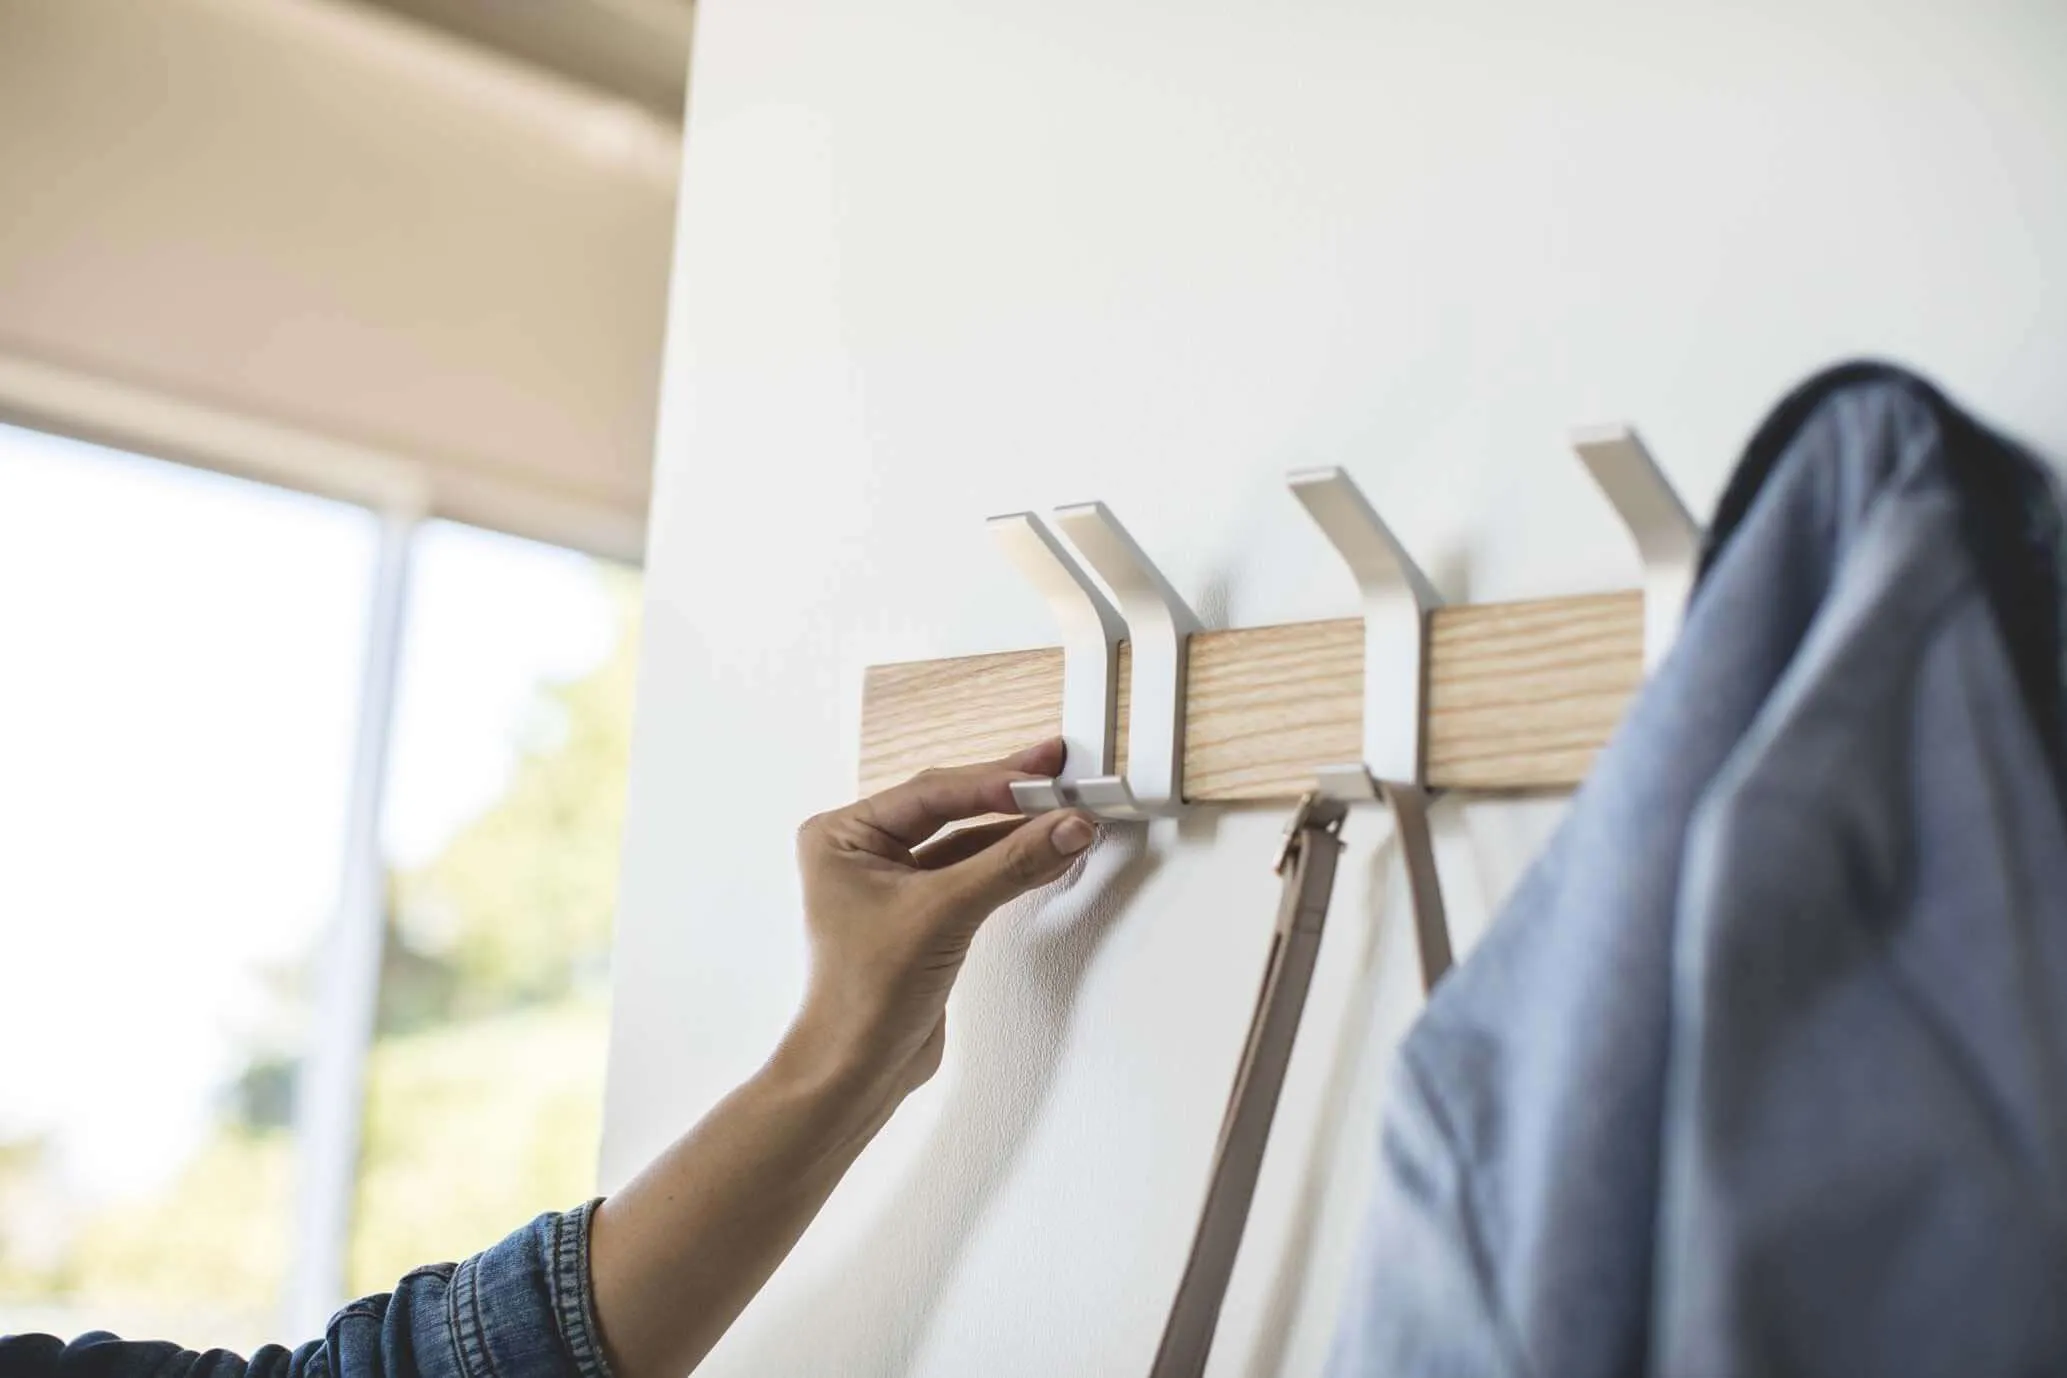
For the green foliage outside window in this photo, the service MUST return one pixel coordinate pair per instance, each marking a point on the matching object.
(484, 1085)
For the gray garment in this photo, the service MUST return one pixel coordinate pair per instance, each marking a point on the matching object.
(1762, 1069)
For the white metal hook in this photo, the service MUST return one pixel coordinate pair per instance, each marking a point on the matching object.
(1158, 627)
(1397, 599)
(1668, 539)
(1091, 636)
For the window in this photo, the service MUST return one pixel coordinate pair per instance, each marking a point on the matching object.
(484, 1088)
(193, 746)
(177, 710)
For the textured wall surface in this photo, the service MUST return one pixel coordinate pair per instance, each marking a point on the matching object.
(939, 260)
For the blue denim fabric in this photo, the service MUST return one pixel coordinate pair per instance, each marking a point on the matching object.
(1864, 1146)
(1763, 1068)
(520, 1309)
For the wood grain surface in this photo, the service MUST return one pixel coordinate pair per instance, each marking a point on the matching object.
(1521, 696)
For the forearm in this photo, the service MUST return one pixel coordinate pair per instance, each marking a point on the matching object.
(650, 1278)
(678, 1252)
(891, 905)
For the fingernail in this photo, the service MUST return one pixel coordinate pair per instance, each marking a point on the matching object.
(1072, 835)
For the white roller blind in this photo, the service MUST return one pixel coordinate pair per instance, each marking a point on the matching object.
(312, 243)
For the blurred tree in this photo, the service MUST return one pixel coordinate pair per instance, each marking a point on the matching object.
(263, 1095)
(30, 1237)
(217, 1237)
(471, 1129)
(517, 909)
(484, 1095)
(484, 1090)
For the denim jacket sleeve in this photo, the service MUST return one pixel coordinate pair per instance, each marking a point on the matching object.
(520, 1309)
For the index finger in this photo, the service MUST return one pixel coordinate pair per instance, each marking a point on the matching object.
(929, 801)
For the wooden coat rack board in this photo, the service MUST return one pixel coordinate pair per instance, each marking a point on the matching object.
(1510, 697)
(1520, 697)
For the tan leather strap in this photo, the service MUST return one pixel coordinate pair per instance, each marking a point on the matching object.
(1307, 863)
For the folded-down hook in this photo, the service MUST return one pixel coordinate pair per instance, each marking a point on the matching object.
(1159, 628)
(1091, 636)
(1156, 623)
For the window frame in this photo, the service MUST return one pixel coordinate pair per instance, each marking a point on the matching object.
(404, 495)
(330, 1089)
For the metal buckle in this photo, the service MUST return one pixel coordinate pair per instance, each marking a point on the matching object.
(1315, 811)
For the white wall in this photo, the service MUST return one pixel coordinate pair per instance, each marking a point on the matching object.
(369, 240)
(941, 259)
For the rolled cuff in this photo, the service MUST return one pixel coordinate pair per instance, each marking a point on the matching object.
(524, 1308)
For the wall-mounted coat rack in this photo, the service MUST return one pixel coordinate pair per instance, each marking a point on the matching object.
(1493, 697)
(1409, 698)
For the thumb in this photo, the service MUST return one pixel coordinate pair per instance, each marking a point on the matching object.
(1033, 854)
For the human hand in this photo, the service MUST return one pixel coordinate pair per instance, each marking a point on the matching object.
(677, 1252)
(891, 910)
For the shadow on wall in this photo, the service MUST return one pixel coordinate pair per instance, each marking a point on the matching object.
(1027, 988)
